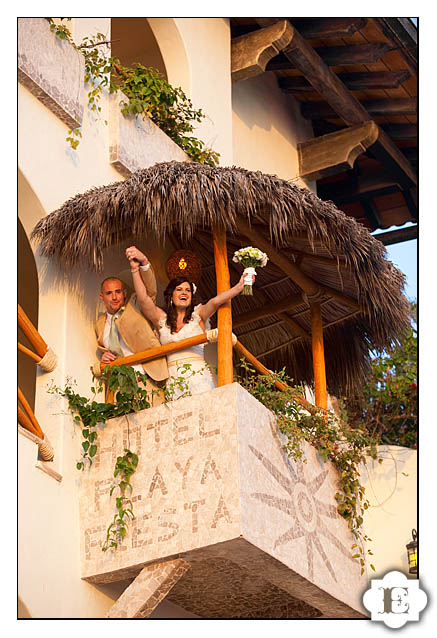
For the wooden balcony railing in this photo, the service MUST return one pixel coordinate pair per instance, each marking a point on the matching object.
(208, 336)
(47, 360)
(44, 357)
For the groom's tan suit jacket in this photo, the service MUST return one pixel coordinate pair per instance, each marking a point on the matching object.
(136, 330)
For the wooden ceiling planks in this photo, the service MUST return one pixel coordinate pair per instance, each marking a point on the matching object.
(393, 107)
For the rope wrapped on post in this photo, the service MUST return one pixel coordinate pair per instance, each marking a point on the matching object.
(212, 336)
(45, 450)
(28, 421)
(49, 361)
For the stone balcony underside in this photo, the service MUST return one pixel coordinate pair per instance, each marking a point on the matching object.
(228, 525)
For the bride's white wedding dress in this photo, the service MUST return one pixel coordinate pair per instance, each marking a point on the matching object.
(197, 376)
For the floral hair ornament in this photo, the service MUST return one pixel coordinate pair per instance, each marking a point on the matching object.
(194, 287)
(250, 257)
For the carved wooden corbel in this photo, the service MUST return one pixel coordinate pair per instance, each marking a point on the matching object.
(335, 152)
(250, 53)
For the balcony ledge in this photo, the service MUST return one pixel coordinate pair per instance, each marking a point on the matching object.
(214, 488)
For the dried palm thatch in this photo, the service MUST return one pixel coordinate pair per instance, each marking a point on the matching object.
(186, 200)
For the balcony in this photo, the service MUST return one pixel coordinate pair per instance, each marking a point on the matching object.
(225, 525)
(53, 71)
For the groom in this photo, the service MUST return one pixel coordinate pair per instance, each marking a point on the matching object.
(123, 330)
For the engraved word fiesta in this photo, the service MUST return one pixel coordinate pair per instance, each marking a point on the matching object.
(201, 475)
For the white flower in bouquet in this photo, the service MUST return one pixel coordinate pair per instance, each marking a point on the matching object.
(250, 258)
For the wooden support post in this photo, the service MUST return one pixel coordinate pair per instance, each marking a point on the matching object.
(29, 353)
(28, 416)
(224, 313)
(25, 422)
(31, 332)
(318, 356)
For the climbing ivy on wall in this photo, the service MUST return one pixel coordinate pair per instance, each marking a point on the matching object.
(148, 94)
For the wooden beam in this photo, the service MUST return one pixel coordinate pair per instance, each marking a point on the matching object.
(339, 56)
(325, 82)
(346, 194)
(319, 28)
(283, 345)
(157, 352)
(35, 339)
(403, 34)
(400, 131)
(29, 353)
(397, 236)
(335, 152)
(284, 318)
(386, 106)
(296, 327)
(307, 284)
(322, 259)
(301, 279)
(372, 213)
(410, 197)
(224, 313)
(268, 310)
(26, 423)
(394, 161)
(353, 81)
(343, 103)
(259, 367)
(321, 394)
(250, 53)
(35, 426)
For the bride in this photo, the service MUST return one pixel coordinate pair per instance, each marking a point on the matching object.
(180, 319)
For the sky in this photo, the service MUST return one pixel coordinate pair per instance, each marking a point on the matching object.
(404, 256)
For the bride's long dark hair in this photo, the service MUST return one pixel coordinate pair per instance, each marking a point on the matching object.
(169, 306)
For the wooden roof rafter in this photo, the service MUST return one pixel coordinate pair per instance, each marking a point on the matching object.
(383, 52)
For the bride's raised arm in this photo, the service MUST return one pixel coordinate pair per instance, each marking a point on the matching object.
(148, 307)
(207, 310)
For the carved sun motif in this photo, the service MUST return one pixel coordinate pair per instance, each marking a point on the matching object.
(304, 509)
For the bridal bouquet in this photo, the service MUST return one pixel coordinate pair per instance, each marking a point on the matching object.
(249, 257)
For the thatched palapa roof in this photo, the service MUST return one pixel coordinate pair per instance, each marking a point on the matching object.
(184, 201)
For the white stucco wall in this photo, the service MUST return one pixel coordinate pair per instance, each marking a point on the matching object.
(391, 487)
(207, 45)
(267, 126)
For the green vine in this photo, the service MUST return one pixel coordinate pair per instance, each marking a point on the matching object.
(89, 413)
(332, 437)
(126, 465)
(147, 91)
(130, 395)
